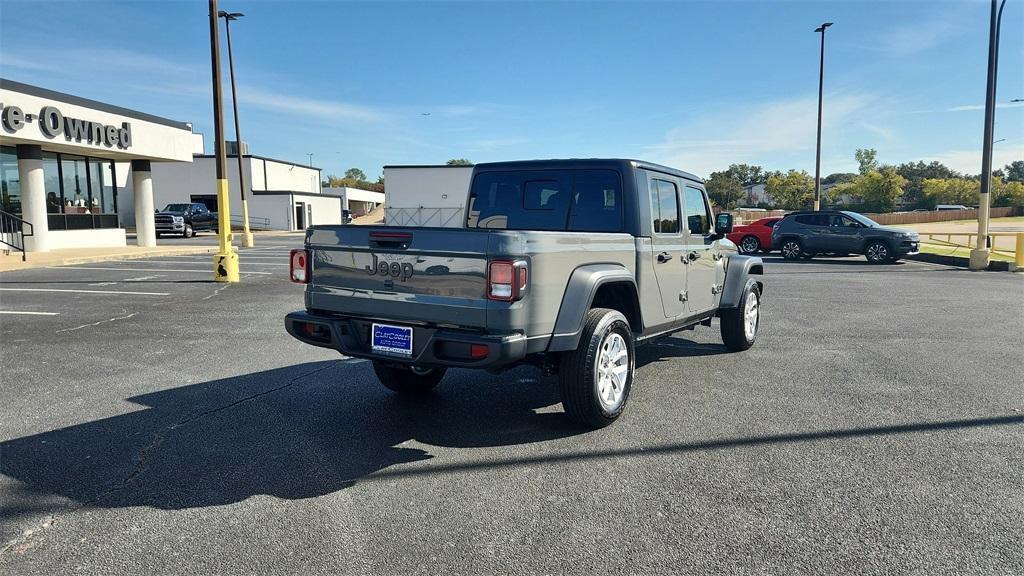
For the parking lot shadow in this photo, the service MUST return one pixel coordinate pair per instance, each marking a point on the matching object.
(295, 432)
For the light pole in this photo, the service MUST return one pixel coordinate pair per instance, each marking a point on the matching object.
(981, 254)
(225, 262)
(821, 86)
(310, 154)
(247, 240)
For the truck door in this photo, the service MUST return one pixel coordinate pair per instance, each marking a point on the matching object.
(667, 243)
(701, 273)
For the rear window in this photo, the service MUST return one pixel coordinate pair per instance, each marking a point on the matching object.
(557, 200)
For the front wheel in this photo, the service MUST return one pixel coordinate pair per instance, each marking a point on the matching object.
(739, 325)
(877, 252)
(792, 249)
(750, 245)
(596, 378)
(189, 232)
(411, 380)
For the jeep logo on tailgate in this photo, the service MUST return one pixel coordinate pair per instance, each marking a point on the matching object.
(398, 270)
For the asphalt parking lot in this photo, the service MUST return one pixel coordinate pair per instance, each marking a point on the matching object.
(153, 421)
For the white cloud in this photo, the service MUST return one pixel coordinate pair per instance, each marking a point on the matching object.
(329, 111)
(969, 161)
(749, 133)
(972, 107)
(904, 38)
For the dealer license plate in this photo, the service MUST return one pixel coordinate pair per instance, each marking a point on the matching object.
(392, 339)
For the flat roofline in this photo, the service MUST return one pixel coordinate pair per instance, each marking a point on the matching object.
(94, 104)
(258, 157)
(428, 166)
(560, 163)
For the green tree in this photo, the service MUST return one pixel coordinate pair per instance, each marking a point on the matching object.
(747, 174)
(839, 178)
(1015, 171)
(459, 162)
(867, 158)
(916, 173)
(1007, 192)
(724, 189)
(793, 190)
(878, 190)
(355, 174)
(950, 191)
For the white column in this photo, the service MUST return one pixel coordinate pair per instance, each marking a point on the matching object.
(33, 197)
(142, 195)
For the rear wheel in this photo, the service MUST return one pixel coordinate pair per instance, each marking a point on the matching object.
(750, 245)
(410, 380)
(792, 249)
(877, 252)
(596, 378)
(739, 325)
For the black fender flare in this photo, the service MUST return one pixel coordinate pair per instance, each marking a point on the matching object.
(738, 270)
(579, 294)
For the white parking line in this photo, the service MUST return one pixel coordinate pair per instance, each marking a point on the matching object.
(195, 270)
(30, 313)
(86, 291)
(241, 260)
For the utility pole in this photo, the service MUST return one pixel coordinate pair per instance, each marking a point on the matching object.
(983, 251)
(821, 86)
(247, 240)
(225, 262)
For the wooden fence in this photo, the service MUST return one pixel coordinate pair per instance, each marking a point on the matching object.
(942, 215)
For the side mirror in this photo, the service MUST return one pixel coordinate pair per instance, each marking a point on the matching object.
(723, 223)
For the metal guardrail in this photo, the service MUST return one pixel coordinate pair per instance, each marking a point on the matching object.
(12, 233)
(946, 239)
(255, 222)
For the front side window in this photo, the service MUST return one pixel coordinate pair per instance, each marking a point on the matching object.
(664, 207)
(698, 217)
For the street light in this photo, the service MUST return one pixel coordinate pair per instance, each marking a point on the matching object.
(225, 262)
(310, 154)
(981, 254)
(821, 85)
(247, 240)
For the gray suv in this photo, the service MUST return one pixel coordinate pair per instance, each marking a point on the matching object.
(805, 234)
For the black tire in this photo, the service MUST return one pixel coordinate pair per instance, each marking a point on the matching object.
(750, 245)
(407, 380)
(733, 321)
(189, 231)
(792, 249)
(877, 252)
(604, 330)
(159, 235)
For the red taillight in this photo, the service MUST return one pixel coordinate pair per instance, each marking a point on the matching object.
(506, 280)
(478, 351)
(299, 266)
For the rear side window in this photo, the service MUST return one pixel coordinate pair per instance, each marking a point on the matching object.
(664, 207)
(814, 219)
(556, 200)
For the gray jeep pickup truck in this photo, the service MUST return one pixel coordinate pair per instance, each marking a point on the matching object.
(564, 264)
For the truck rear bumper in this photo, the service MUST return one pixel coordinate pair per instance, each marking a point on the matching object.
(432, 346)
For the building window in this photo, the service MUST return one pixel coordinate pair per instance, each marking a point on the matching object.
(51, 183)
(10, 186)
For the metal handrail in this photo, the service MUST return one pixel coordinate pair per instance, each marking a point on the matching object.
(12, 232)
(254, 221)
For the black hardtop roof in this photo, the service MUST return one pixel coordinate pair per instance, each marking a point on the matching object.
(584, 163)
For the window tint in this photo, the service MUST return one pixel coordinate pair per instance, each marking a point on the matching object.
(597, 202)
(664, 207)
(578, 200)
(698, 219)
(814, 219)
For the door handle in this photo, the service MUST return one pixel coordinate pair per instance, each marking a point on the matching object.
(664, 257)
(692, 256)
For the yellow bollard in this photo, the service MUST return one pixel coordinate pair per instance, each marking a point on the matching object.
(1018, 258)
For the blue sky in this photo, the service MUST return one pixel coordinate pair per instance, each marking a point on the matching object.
(696, 85)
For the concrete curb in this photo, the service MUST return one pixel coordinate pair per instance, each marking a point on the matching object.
(44, 260)
(993, 266)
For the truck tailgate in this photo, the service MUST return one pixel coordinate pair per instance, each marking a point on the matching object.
(435, 275)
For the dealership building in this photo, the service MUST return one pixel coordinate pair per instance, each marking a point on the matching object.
(68, 165)
(80, 171)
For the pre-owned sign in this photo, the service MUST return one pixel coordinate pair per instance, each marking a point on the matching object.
(52, 123)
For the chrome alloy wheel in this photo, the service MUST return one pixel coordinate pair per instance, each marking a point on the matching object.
(751, 313)
(791, 249)
(750, 245)
(612, 369)
(877, 252)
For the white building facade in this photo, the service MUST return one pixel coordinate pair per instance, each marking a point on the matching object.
(356, 201)
(427, 195)
(72, 168)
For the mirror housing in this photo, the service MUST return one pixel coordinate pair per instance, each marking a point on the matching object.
(723, 223)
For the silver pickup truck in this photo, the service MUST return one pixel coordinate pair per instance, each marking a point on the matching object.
(564, 264)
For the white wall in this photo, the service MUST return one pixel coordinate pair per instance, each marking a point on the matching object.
(277, 209)
(99, 237)
(280, 176)
(426, 195)
(326, 209)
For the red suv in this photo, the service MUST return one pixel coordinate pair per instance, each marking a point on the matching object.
(754, 237)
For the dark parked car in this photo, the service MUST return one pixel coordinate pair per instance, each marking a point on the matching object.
(804, 234)
(185, 219)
